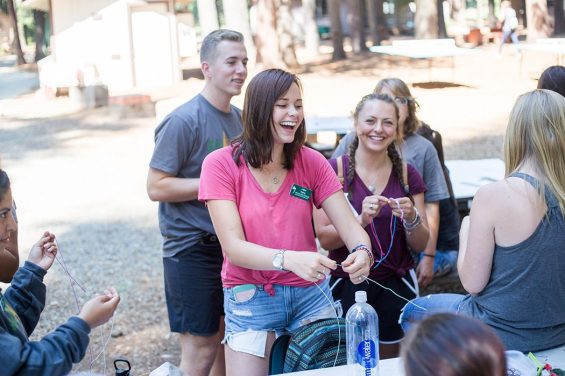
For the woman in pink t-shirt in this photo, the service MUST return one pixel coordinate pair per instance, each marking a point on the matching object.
(260, 193)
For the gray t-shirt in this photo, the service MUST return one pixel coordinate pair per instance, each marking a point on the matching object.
(421, 154)
(524, 299)
(182, 141)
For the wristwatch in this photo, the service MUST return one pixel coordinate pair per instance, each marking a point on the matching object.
(278, 260)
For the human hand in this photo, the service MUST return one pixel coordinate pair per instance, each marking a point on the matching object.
(100, 309)
(357, 265)
(43, 252)
(425, 271)
(371, 207)
(311, 266)
(403, 208)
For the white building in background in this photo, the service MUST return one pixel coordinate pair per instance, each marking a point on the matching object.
(122, 44)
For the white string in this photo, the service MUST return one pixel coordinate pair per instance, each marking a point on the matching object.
(391, 290)
(337, 321)
(73, 281)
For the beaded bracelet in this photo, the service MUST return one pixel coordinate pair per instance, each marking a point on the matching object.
(408, 226)
(367, 250)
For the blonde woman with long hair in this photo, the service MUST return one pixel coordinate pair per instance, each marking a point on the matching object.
(512, 246)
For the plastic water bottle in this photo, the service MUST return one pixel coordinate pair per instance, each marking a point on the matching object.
(362, 331)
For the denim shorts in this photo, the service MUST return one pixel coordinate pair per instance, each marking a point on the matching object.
(251, 312)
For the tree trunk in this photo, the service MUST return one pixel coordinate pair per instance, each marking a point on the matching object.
(335, 25)
(311, 37)
(356, 29)
(382, 31)
(39, 36)
(236, 15)
(539, 25)
(286, 39)
(207, 16)
(559, 17)
(371, 6)
(426, 20)
(268, 39)
(441, 30)
(16, 44)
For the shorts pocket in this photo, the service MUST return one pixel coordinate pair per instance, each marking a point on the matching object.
(241, 294)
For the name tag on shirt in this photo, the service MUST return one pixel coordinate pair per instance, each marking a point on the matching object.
(300, 192)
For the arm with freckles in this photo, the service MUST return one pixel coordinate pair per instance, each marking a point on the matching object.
(227, 223)
(476, 241)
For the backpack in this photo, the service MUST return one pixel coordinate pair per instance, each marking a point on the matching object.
(315, 345)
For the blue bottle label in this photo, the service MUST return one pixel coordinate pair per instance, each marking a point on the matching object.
(367, 354)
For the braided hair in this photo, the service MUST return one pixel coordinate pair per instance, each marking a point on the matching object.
(392, 151)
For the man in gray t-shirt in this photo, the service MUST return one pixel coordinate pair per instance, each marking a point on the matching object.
(192, 257)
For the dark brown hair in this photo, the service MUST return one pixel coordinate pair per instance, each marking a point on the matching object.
(392, 151)
(256, 141)
(553, 78)
(452, 345)
(4, 183)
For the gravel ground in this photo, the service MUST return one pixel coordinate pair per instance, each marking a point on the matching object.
(82, 176)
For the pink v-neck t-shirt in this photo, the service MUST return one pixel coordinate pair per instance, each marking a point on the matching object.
(280, 220)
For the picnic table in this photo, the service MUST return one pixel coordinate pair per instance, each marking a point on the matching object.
(393, 367)
(424, 49)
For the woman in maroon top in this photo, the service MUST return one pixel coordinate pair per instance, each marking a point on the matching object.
(389, 208)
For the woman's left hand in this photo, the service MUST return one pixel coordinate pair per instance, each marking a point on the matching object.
(358, 266)
(403, 208)
(43, 252)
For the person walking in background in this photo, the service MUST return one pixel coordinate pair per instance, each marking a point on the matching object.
(431, 348)
(22, 303)
(192, 256)
(421, 148)
(514, 240)
(260, 192)
(509, 22)
(379, 187)
(553, 78)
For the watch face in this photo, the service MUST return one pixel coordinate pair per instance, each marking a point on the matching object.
(278, 260)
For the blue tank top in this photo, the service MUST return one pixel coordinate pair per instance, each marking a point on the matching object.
(524, 300)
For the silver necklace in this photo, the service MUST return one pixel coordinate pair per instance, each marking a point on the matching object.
(275, 180)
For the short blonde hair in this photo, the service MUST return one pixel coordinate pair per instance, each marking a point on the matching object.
(536, 132)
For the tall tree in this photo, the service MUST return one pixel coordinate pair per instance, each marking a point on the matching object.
(426, 19)
(335, 25)
(39, 34)
(236, 15)
(268, 39)
(16, 44)
(207, 16)
(441, 30)
(286, 38)
(356, 27)
(539, 25)
(311, 37)
(372, 18)
(559, 17)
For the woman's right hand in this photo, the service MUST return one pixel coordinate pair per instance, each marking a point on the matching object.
(311, 266)
(371, 207)
(100, 309)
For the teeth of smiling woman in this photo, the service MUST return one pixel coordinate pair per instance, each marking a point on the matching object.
(290, 124)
